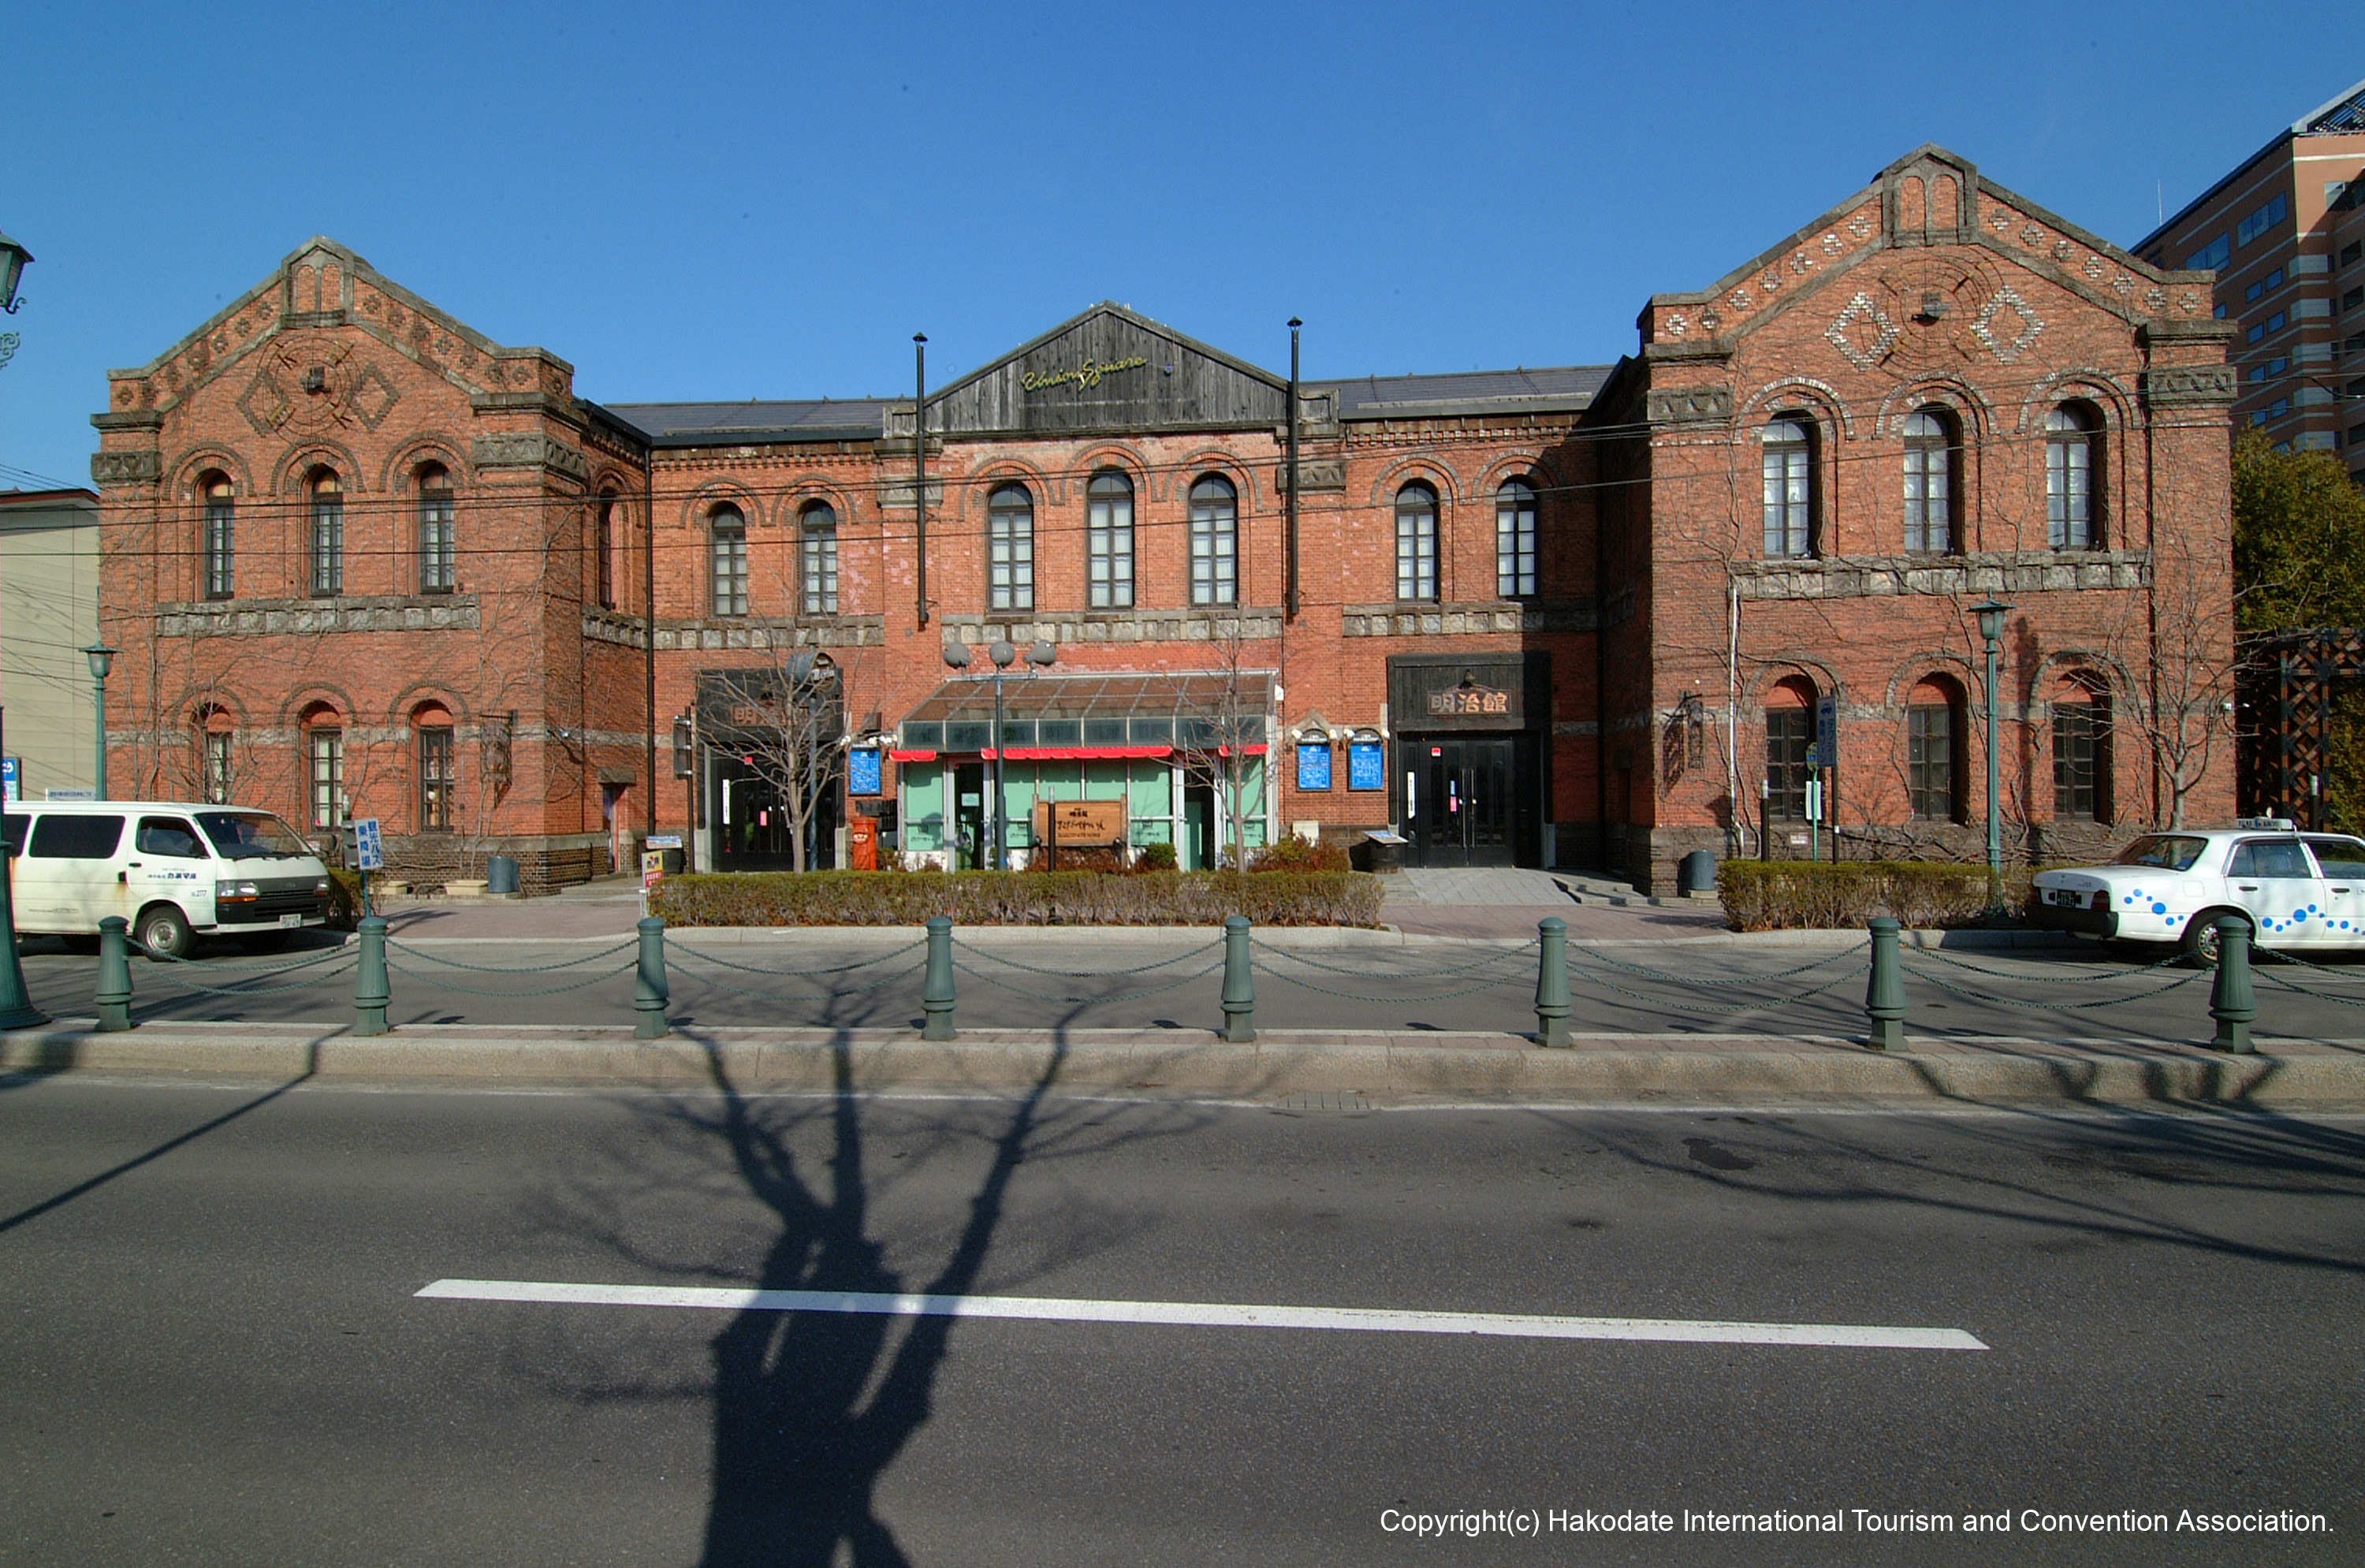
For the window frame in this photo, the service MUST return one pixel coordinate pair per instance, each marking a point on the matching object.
(1518, 506)
(1793, 517)
(1214, 509)
(1923, 789)
(726, 558)
(2073, 479)
(1109, 558)
(327, 513)
(1010, 548)
(603, 552)
(439, 776)
(216, 766)
(218, 499)
(1786, 770)
(438, 518)
(324, 773)
(1933, 470)
(1417, 544)
(2081, 741)
(817, 558)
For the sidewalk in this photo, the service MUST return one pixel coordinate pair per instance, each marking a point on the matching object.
(1413, 1066)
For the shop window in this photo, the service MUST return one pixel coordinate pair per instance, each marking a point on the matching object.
(2081, 753)
(1930, 449)
(1109, 541)
(1515, 540)
(327, 533)
(2073, 511)
(438, 547)
(1215, 542)
(222, 536)
(727, 544)
(1789, 474)
(817, 539)
(1416, 543)
(1009, 549)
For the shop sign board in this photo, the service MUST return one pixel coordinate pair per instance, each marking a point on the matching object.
(1080, 824)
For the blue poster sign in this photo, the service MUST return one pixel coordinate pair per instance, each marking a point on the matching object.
(862, 774)
(1367, 766)
(1827, 732)
(12, 779)
(1314, 765)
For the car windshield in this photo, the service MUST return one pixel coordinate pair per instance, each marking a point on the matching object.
(251, 835)
(2168, 851)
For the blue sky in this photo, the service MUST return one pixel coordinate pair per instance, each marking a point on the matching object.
(691, 201)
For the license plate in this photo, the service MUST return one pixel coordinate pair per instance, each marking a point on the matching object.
(2067, 896)
(291, 920)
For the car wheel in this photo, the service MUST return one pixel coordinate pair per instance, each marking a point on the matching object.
(163, 933)
(2200, 939)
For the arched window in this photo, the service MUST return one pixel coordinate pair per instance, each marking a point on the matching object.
(1215, 542)
(1789, 730)
(1417, 543)
(439, 566)
(603, 552)
(2081, 750)
(215, 731)
(222, 536)
(1789, 467)
(1108, 542)
(431, 728)
(324, 747)
(1515, 540)
(2073, 501)
(1934, 736)
(327, 533)
(1929, 487)
(727, 544)
(817, 541)
(1009, 549)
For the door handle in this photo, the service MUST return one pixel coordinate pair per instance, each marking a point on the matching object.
(2246, 887)
(2340, 889)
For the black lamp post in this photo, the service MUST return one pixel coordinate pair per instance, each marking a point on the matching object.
(101, 659)
(1004, 653)
(1990, 612)
(13, 258)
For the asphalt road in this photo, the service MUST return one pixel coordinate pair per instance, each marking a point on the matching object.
(2082, 994)
(216, 1354)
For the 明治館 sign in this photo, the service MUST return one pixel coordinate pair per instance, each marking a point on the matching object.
(1448, 691)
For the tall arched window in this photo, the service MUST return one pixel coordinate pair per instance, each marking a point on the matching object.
(327, 533)
(1417, 543)
(439, 567)
(1789, 469)
(437, 767)
(2081, 750)
(1789, 730)
(324, 747)
(1515, 540)
(1108, 542)
(603, 551)
(1934, 736)
(222, 536)
(1215, 542)
(818, 542)
(1930, 481)
(2073, 502)
(727, 536)
(1009, 549)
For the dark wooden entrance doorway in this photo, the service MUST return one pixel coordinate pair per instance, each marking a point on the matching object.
(1470, 800)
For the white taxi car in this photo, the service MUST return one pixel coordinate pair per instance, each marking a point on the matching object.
(2297, 890)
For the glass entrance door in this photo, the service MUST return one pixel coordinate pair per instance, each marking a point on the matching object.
(1463, 803)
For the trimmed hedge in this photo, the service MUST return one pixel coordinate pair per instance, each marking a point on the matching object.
(1788, 894)
(1023, 897)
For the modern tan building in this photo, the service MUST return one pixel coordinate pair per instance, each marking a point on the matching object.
(2285, 234)
(48, 613)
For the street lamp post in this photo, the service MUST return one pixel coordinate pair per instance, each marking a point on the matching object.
(101, 659)
(1004, 653)
(1991, 612)
(13, 258)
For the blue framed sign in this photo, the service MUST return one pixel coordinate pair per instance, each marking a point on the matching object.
(1367, 766)
(1314, 765)
(862, 771)
(369, 849)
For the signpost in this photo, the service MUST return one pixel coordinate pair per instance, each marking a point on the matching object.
(12, 779)
(369, 853)
(652, 874)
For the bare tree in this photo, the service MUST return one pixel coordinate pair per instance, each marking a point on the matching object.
(1219, 714)
(787, 719)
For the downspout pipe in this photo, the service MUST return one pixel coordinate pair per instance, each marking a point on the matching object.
(649, 632)
(920, 465)
(1292, 499)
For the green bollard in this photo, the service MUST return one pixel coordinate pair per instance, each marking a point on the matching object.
(649, 992)
(2230, 1000)
(1884, 993)
(1552, 981)
(369, 978)
(1239, 985)
(113, 974)
(936, 990)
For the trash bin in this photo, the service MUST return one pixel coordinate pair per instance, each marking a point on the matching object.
(1697, 873)
(1380, 852)
(500, 875)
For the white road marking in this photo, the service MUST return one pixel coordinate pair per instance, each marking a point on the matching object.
(1213, 1315)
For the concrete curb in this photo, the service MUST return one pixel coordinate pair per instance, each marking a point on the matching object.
(1274, 936)
(1601, 1069)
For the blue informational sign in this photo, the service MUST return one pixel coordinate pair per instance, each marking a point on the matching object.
(1367, 766)
(1314, 765)
(1827, 732)
(369, 853)
(12, 777)
(862, 771)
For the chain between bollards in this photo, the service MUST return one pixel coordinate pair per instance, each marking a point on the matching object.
(937, 989)
(1239, 983)
(649, 992)
(1552, 1006)
(113, 974)
(1884, 992)
(369, 978)
(2230, 998)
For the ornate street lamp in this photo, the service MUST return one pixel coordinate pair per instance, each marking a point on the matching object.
(13, 258)
(1004, 653)
(1991, 612)
(101, 659)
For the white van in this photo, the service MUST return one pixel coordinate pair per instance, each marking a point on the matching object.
(173, 871)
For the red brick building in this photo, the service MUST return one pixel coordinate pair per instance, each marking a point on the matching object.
(365, 561)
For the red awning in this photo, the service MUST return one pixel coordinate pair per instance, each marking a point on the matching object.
(913, 756)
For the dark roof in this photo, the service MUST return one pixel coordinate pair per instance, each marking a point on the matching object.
(709, 424)
(1556, 387)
